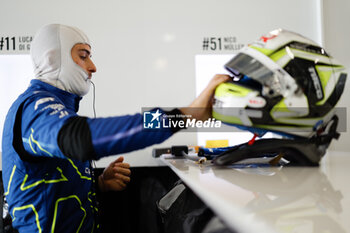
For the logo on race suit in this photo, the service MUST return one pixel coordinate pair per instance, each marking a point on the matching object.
(87, 170)
(151, 119)
(256, 102)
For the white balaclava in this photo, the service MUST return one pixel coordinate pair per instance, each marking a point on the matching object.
(52, 59)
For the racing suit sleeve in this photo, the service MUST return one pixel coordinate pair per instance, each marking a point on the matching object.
(115, 135)
(85, 137)
(43, 116)
(55, 131)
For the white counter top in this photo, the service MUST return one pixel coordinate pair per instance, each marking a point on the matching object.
(274, 199)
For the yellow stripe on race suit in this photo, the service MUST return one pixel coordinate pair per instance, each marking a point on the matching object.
(23, 187)
(77, 170)
(38, 144)
(30, 144)
(55, 213)
(92, 206)
(26, 207)
(10, 181)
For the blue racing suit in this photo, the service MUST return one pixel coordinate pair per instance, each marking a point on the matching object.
(46, 156)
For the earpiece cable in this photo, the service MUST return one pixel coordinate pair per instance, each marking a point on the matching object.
(93, 100)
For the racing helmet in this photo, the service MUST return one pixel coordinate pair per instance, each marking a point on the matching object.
(287, 84)
(284, 83)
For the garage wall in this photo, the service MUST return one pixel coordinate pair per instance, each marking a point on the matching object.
(336, 34)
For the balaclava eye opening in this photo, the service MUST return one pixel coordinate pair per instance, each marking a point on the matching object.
(52, 59)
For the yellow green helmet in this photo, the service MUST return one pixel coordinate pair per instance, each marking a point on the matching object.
(283, 83)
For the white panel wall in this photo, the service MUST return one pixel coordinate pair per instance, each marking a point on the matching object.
(336, 18)
(145, 50)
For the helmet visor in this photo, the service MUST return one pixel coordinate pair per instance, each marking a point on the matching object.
(274, 80)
